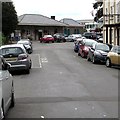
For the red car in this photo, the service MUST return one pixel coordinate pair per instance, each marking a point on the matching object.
(47, 38)
(84, 47)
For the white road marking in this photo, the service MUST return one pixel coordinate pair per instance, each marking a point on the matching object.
(44, 60)
(36, 61)
(61, 72)
(42, 117)
(40, 61)
(76, 109)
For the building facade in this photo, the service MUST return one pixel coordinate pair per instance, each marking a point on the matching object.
(111, 21)
(35, 26)
(73, 26)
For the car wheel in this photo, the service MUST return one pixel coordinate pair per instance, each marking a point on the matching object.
(12, 101)
(78, 53)
(30, 65)
(93, 60)
(28, 71)
(2, 112)
(29, 51)
(108, 62)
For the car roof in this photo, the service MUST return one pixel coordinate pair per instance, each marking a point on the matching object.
(12, 45)
(23, 41)
(47, 35)
(85, 39)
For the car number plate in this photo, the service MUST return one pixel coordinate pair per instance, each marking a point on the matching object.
(10, 59)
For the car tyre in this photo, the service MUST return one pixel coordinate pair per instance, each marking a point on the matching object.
(2, 112)
(78, 53)
(12, 100)
(30, 65)
(28, 71)
(108, 62)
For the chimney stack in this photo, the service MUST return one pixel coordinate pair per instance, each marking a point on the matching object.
(53, 17)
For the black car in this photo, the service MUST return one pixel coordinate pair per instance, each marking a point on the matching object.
(59, 37)
(90, 35)
(98, 52)
(27, 44)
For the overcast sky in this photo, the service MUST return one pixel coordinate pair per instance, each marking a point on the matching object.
(75, 9)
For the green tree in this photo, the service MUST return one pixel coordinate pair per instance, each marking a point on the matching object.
(99, 14)
(9, 18)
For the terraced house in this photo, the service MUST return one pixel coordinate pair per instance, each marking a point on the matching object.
(111, 18)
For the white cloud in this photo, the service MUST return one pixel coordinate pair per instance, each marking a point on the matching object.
(76, 9)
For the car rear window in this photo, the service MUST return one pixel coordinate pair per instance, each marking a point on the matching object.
(89, 42)
(12, 50)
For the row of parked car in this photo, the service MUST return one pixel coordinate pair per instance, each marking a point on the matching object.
(13, 57)
(61, 37)
(97, 52)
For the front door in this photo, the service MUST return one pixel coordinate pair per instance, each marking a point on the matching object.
(39, 35)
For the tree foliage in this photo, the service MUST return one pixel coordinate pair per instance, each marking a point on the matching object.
(99, 13)
(9, 18)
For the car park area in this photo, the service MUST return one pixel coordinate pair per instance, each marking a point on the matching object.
(61, 84)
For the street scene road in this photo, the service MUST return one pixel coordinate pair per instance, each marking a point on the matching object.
(61, 84)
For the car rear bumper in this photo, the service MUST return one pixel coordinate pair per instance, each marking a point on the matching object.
(21, 65)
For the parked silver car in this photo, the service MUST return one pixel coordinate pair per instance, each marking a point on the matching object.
(6, 90)
(73, 37)
(27, 44)
(17, 57)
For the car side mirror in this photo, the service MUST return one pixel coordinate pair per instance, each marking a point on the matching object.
(92, 48)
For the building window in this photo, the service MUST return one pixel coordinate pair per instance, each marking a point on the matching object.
(106, 17)
(111, 9)
(74, 31)
(106, 11)
(78, 31)
(28, 32)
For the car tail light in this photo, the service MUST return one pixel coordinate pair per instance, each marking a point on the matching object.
(86, 48)
(22, 56)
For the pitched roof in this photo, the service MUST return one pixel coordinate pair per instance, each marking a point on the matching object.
(71, 22)
(85, 20)
(38, 20)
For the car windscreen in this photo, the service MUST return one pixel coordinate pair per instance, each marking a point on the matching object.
(102, 47)
(117, 49)
(89, 43)
(12, 50)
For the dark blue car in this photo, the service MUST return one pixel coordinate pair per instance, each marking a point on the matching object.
(77, 44)
(98, 52)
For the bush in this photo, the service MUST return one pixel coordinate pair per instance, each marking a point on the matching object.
(3, 39)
